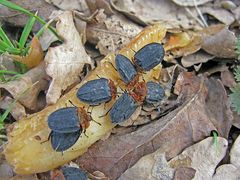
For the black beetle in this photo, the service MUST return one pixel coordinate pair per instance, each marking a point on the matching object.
(126, 69)
(63, 141)
(155, 93)
(97, 91)
(123, 108)
(64, 120)
(72, 173)
(149, 56)
(67, 124)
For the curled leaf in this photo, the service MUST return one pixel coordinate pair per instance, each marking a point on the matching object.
(65, 62)
(34, 56)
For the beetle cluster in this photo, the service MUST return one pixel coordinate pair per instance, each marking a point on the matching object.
(67, 124)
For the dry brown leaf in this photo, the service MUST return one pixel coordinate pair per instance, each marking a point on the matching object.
(18, 111)
(221, 44)
(6, 171)
(19, 19)
(228, 79)
(172, 133)
(32, 82)
(34, 56)
(230, 171)
(70, 5)
(190, 2)
(152, 166)
(202, 157)
(236, 12)
(220, 14)
(184, 173)
(152, 10)
(198, 57)
(235, 153)
(111, 33)
(65, 62)
(46, 39)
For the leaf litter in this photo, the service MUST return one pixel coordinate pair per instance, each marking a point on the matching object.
(166, 142)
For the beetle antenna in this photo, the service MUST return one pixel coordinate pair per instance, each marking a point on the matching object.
(133, 50)
(72, 103)
(99, 76)
(112, 65)
(84, 132)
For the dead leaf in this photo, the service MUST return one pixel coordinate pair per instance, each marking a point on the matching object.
(95, 5)
(65, 62)
(34, 56)
(172, 133)
(198, 57)
(235, 153)
(152, 166)
(228, 79)
(18, 111)
(230, 171)
(202, 157)
(220, 14)
(148, 12)
(97, 175)
(6, 171)
(227, 171)
(70, 5)
(46, 39)
(236, 119)
(236, 13)
(190, 2)
(222, 44)
(111, 33)
(184, 173)
(19, 19)
(33, 82)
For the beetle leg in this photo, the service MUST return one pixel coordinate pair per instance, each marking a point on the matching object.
(105, 114)
(47, 138)
(84, 132)
(96, 122)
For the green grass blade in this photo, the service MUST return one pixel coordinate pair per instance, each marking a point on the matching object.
(5, 38)
(20, 9)
(26, 31)
(8, 72)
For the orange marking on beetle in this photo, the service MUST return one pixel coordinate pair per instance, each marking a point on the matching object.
(113, 89)
(139, 91)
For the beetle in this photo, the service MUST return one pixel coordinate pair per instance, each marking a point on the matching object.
(123, 108)
(73, 173)
(149, 56)
(97, 91)
(63, 141)
(69, 119)
(155, 93)
(126, 70)
(67, 124)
